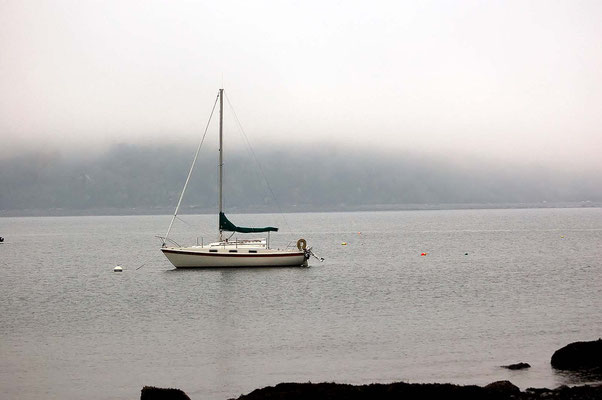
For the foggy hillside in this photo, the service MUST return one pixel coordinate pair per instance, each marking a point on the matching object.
(151, 178)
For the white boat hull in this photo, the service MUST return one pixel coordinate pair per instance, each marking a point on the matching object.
(201, 257)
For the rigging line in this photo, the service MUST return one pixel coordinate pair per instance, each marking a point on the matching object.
(196, 155)
(186, 222)
(257, 162)
(251, 157)
(202, 234)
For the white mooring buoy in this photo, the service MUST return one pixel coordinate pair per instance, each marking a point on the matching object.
(117, 269)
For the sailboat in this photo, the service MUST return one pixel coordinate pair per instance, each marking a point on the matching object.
(228, 252)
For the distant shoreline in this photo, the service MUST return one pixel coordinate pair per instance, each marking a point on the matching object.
(108, 211)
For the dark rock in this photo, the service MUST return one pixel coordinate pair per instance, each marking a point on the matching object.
(155, 393)
(517, 366)
(580, 392)
(578, 355)
(538, 390)
(502, 388)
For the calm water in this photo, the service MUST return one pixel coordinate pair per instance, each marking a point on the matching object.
(374, 311)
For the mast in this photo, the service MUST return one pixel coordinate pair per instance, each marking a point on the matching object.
(221, 156)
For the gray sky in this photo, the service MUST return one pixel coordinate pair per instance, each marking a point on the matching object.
(503, 80)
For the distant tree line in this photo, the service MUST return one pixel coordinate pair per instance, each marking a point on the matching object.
(128, 176)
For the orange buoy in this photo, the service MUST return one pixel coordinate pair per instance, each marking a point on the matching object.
(423, 254)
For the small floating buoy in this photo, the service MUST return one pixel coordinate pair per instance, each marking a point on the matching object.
(423, 254)
(117, 269)
(344, 244)
(562, 237)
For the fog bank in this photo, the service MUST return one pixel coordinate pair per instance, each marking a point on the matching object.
(152, 177)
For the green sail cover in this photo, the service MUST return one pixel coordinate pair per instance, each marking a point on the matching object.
(226, 225)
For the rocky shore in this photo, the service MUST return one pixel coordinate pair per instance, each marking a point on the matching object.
(413, 391)
(502, 390)
(576, 356)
